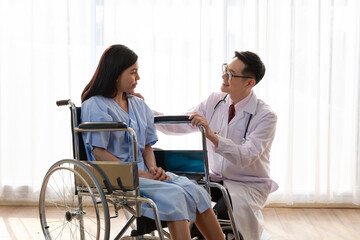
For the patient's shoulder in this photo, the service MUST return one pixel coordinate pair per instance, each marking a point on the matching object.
(138, 103)
(98, 100)
(136, 100)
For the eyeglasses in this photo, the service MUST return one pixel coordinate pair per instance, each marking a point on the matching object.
(229, 74)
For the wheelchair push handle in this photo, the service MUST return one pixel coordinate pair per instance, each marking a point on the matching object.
(172, 119)
(62, 102)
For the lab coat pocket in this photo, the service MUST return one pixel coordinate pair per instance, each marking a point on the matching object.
(237, 134)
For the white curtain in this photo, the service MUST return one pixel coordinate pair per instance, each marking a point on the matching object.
(311, 48)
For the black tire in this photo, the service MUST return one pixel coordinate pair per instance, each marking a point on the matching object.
(70, 210)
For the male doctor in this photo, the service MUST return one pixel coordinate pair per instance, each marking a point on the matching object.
(240, 129)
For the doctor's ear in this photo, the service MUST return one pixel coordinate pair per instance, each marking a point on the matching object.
(251, 82)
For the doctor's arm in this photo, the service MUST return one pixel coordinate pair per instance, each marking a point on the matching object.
(180, 129)
(174, 129)
(257, 141)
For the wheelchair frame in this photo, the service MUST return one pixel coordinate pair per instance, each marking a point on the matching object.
(88, 188)
(225, 224)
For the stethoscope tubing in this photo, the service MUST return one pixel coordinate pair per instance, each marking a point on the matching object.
(247, 125)
(217, 105)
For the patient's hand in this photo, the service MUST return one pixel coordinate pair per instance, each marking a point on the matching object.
(159, 174)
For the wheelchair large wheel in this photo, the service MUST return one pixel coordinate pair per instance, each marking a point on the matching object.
(72, 204)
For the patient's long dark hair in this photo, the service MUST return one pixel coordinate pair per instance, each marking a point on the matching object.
(113, 62)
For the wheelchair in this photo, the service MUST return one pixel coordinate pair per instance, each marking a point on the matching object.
(76, 195)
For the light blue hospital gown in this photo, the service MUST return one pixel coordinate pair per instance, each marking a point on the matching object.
(176, 200)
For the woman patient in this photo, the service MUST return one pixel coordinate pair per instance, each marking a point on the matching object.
(108, 97)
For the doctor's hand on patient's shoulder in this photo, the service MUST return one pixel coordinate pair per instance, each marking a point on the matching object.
(199, 120)
(159, 174)
(139, 95)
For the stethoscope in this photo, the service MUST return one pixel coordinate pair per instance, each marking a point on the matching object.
(224, 101)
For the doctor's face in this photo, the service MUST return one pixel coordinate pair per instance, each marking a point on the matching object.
(235, 82)
(127, 80)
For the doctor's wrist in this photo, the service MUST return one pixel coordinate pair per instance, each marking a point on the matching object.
(213, 138)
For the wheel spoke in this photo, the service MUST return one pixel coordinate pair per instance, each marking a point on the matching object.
(64, 212)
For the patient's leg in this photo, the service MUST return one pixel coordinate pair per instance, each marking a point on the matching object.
(209, 225)
(179, 230)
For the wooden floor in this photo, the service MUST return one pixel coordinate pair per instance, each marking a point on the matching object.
(299, 223)
(281, 223)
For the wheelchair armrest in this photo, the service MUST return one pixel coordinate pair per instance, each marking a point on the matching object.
(102, 125)
(172, 119)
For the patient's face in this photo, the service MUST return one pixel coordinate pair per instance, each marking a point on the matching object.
(127, 81)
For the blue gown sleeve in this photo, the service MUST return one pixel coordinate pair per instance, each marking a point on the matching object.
(92, 111)
(151, 136)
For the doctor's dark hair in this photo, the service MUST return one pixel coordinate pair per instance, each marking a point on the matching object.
(113, 62)
(254, 65)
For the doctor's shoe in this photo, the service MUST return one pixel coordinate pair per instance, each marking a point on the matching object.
(229, 235)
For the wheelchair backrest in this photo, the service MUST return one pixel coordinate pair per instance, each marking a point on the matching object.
(189, 163)
(180, 161)
(77, 136)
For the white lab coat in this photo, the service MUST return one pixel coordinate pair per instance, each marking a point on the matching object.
(244, 168)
